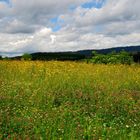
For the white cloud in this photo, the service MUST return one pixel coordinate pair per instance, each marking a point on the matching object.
(53, 39)
(25, 25)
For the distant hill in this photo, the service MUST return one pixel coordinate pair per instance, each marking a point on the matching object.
(131, 49)
(82, 54)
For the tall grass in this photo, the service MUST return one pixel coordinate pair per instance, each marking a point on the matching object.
(68, 100)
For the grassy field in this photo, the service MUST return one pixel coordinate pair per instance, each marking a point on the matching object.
(69, 101)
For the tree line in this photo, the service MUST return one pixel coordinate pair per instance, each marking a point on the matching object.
(121, 57)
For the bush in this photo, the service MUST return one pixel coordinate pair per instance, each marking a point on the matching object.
(125, 58)
(26, 56)
(112, 58)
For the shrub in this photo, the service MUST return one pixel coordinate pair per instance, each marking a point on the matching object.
(125, 57)
(26, 56)
(112, 58)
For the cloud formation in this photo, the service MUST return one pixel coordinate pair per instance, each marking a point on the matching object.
(27, 26)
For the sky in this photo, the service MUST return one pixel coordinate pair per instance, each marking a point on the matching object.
(67, 25)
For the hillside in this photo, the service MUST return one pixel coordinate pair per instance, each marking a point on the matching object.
(82, 54)
(131, 49)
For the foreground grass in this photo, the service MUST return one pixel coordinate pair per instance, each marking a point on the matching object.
(65, 100)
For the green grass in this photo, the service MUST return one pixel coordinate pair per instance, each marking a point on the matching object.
(69, 101)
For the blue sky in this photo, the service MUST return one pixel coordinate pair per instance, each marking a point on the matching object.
(56, 23)
(7, 1)
(92, 4)
(67, 25)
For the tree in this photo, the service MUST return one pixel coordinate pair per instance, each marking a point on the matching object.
(125, 57)
(112, 58)
(26, 56)
(94, 53)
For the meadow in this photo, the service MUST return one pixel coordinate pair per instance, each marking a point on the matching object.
(69, 101)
